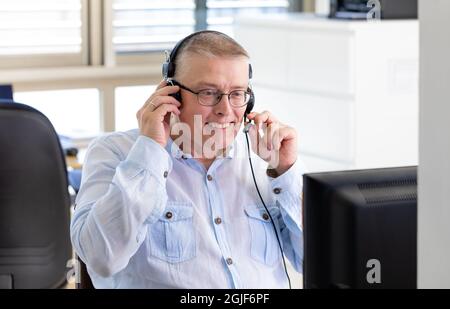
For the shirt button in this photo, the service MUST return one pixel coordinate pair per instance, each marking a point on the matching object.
(169, 215)
(229, 261)
(165, 174)
(217, 220)
(209, 177)
(265, 216)
(277, 190)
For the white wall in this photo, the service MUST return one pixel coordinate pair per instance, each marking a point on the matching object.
(434, 153)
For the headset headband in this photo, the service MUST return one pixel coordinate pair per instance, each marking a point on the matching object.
(168, 68)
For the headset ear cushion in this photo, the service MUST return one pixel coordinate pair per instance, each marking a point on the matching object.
(251, 102)
(165, 70)
(168, 69)
(177, 96)
(171, 69)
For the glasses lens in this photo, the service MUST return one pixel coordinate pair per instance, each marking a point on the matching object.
(208, 97)
(239, 98)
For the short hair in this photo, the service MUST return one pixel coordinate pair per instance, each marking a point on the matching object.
(210, 44)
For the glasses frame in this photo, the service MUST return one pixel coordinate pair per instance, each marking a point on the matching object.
(219, 95)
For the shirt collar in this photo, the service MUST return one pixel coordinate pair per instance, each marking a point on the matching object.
(177, 153)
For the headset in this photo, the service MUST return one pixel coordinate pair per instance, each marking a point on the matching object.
(168, 72)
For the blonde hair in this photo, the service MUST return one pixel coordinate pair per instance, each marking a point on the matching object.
(209, 44)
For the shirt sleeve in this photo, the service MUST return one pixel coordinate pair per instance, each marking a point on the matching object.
(118, 196)
(287, 190)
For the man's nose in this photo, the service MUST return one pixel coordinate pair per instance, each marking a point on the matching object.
(223, 107)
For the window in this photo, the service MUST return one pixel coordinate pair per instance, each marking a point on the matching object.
(128, 101)
(221, 13)
(74, 112)
(141, 26)
(49, 31)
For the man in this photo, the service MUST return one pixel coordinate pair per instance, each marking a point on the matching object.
(174, 204)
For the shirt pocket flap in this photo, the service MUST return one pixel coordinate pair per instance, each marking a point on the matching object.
(256, 213)
(260, 213)
(176, 211)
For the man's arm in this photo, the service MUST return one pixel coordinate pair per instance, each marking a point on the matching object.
(116, 200)
(287, 190)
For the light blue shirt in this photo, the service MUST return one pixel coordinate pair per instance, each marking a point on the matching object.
(153, 217)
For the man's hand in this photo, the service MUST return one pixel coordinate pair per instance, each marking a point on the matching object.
(154, 117)
(278, 145)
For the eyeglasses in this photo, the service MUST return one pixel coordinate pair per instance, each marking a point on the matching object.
(210, 97)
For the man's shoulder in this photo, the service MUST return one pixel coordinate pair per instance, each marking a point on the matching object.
(121, 140)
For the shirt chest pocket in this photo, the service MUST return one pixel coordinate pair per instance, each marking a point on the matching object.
(264, 244)
(172, 237)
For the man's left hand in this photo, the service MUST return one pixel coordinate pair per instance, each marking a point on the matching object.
(277, 144)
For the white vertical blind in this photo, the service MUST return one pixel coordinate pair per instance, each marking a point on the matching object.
(147, 25)
(221, 13)
(40, 27)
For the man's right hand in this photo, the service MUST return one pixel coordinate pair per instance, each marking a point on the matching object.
(154, 117)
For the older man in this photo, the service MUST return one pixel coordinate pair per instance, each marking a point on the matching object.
(173, 204)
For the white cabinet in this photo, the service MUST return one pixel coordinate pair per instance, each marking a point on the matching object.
(350, 88)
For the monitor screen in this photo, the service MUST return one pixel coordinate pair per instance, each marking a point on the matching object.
(360, 228)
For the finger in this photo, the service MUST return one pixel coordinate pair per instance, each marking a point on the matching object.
(157, 99)
(161, 84)
(259, 146)
(283, 134)
(264, 117)
(138, 114)
(163, 91)
(251, 115)
(164, 109)
(272, 129)
(144, 107)
(166, 91)
(164, 100)
(254, 138)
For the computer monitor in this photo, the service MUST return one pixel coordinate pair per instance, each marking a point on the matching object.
(360, 228)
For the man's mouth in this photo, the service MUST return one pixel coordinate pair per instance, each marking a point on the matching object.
(217, 125)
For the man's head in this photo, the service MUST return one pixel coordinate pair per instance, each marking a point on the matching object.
(212, 61)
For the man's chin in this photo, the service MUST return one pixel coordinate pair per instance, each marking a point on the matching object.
(219, 142)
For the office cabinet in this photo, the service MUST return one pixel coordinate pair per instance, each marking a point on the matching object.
(350, 88)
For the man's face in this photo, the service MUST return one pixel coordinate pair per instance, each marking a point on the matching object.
(221, 121)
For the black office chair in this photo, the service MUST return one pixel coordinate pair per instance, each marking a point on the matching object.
(6, 92)
(34, 201)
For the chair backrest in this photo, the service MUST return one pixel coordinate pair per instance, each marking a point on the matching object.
(34, 201)
(6, 92)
